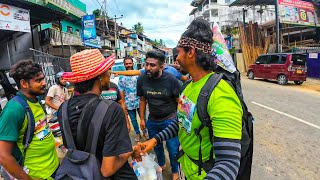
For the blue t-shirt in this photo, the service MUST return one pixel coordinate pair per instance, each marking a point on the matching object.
(168, 69)
(128, 85)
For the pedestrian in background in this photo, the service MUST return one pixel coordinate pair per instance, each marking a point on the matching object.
(161, 90)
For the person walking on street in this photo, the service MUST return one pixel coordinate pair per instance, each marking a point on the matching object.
(90, 75)
(37, 160)
(57, 94)
(224, 110)
(128, 92)
(161, 90)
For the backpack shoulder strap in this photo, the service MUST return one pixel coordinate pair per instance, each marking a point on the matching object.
(202, 104)
(66, 126)
(185, 84)
(204, 96)
(80, 135)
(28, 135)
(95, 126)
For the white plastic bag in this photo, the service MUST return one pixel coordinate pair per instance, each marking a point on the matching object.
(148, 169)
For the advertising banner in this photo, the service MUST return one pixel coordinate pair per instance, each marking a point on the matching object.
(89, 32)
(298, 12)
(89, 27)
(14, 19)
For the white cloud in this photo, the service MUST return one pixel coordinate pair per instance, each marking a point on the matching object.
(161, 19)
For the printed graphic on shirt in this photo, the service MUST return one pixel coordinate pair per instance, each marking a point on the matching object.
(42, 130)
(62, 97)
(186, 110)
(111, 94)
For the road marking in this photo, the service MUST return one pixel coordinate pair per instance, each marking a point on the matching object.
(288, 115)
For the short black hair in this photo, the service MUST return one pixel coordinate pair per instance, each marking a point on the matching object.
(128, 57)
(85, 86)
(200, 30)
(156, 55)
(26, 70)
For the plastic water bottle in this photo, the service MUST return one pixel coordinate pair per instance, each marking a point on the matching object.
(138, 170)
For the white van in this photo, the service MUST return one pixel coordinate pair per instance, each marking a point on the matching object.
(119, 66)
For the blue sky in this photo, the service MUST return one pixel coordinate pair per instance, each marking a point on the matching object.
(161, 19)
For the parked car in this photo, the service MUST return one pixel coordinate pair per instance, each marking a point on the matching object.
(282, 67)
(119, 66)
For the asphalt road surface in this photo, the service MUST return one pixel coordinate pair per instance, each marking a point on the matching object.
(287, 130)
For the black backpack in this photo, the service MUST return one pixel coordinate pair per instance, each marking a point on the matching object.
(78, 165)
(233, 79)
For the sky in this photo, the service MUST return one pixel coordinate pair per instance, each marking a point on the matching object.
(161, 19)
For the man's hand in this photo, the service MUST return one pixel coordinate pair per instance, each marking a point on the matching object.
(142, 124)
(148, 145)
(137, 153)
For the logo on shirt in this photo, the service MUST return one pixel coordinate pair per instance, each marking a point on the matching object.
(186, 110)
(42, 130)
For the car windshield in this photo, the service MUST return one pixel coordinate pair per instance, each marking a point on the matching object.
(299, 59)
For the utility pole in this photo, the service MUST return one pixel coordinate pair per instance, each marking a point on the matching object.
(116, 34)
(278, 49)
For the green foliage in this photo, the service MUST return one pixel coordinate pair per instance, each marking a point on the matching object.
(138, 28)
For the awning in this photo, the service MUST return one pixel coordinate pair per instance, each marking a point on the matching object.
(38, 14)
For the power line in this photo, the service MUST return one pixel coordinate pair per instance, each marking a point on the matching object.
(117, 6)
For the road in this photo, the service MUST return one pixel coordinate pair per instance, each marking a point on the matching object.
(287, 130)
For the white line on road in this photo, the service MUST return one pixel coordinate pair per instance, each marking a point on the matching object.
(288, 115)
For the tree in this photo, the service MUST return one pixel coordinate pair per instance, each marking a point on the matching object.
(97, 13)
(160, 42)
(138, 28)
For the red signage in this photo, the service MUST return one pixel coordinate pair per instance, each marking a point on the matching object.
(298, 12)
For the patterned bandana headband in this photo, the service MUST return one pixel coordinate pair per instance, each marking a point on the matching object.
(190, 42)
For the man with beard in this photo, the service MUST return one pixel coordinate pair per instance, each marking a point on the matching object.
(161, 90)
(40, 159)
(203, 157)
(90, 75)
(128, 92)
(57, 94)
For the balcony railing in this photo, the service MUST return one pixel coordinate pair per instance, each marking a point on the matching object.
(63, 4)
(67, 38)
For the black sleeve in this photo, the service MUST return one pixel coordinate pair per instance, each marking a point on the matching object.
(176, 88)
(139, 86)
(117, 140)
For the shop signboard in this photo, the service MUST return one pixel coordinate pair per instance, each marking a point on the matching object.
(298, 12)
(14, 19)
(89, 32)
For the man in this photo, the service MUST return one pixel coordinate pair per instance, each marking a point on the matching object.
(128, 92)
(166, 68)
(113, 94)
(57, 94)
(90, 75)
(224, 109)
(40, 159)
(161, 90)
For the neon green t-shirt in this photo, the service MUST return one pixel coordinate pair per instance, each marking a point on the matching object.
(41, 157)
(225, 112)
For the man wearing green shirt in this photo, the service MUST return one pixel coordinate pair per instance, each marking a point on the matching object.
(224, 109)
(40, 160)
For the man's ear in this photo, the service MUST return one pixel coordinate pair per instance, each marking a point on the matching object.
(192, 52)
(24, 84)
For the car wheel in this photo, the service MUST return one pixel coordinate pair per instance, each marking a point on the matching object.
(282, 79)
(250, 75)
(298, 82)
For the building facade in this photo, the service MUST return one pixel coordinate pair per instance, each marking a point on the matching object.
(218, 11)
